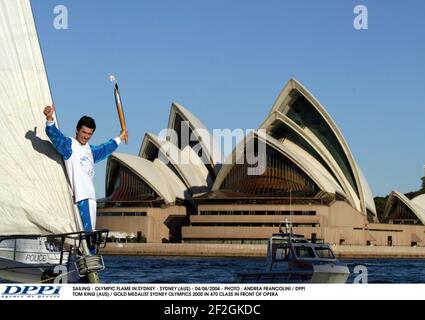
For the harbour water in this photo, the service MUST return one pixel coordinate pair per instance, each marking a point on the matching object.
(142, 269)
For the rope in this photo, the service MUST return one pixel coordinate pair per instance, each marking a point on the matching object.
(90, 264)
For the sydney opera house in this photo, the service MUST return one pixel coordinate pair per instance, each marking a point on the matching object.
(181, 190)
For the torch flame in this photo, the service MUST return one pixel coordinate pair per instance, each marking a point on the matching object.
(112, 78)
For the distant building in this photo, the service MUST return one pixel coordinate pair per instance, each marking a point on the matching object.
(176, 190)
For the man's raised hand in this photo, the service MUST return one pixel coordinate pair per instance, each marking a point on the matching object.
(123, 134)
(48, 112)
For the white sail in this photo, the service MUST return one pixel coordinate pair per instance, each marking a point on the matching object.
(34, 194)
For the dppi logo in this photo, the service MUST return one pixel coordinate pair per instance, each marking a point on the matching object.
(31, 291)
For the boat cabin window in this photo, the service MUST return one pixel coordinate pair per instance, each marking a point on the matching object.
(53, 246)
(325, 253)
(305, 252)
(281, 254)
(10, 243)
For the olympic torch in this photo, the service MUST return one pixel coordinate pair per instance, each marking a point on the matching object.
(119, 106)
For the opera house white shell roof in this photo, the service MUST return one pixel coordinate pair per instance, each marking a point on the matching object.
(304, 138)
(163, 182)
(292, 152)
(297, 109)
(212, 154)
(185, 162)
(416, 206)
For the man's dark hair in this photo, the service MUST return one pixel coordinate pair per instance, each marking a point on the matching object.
(87, 122)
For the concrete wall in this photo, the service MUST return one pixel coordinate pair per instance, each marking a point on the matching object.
(153, 226)
(337, 222)
(402, 235)
(186, 249)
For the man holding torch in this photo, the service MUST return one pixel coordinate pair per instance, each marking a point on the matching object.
(80, 158)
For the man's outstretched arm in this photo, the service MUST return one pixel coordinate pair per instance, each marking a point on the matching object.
(101, 152)
(62, 144)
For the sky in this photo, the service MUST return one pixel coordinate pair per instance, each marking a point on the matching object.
(227, 61)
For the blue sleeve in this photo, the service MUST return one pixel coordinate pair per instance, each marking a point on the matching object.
(62, 144)
(102, 151)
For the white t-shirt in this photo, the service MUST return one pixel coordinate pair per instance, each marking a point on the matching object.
(80, 170)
